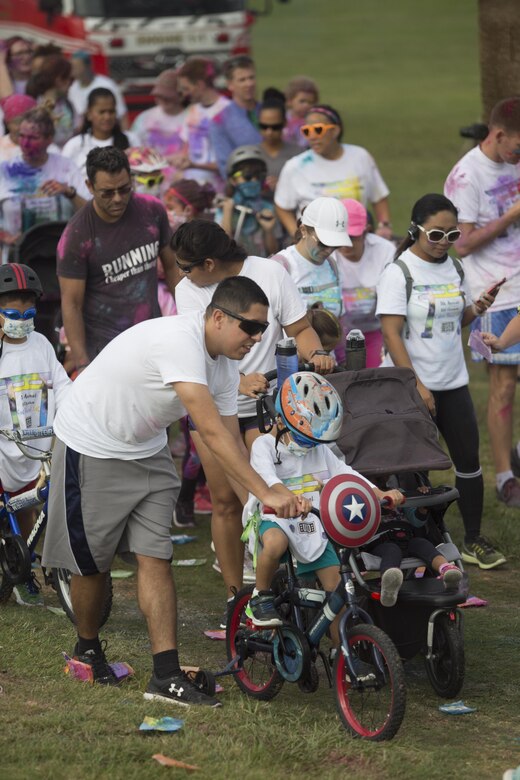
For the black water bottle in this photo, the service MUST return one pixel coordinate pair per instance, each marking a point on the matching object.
(356, 354)
(286, 359)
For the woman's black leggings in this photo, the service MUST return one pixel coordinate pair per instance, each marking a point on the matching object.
(457, 422)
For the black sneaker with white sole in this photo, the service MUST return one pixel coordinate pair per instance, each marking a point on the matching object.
(102, 672)
(178, 689)
(262, 609)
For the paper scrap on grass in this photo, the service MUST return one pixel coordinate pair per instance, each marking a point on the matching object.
(182, 538)
(473, 601)
(121, 574)
(80, 671)
(190, 562)
(477, 344)
(56, 610)
(161, 724)
(456, 708)
(167, 761)
(220, 633)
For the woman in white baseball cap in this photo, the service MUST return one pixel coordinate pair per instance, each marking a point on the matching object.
(322, 228)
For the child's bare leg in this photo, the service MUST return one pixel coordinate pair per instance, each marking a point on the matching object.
(329, 578)
(274, 545)
(26, 520)
(451, 574)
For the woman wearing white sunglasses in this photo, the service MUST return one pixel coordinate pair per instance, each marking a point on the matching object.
(332, 169)
(423, 301)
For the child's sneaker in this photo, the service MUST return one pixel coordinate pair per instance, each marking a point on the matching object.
(183, 516)
(28, 594)
(481, 552)
(451, 575)
(509, 493)
(178, 689)
(202, 502)
(102, 672)
(391, 581)
(262, 609)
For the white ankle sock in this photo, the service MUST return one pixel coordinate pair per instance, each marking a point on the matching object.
(502, 478)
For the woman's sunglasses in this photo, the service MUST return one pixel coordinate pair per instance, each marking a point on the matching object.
(251, 327)
(279, 126)
(435, 236)
(15, 314)
(313, 131)
(187, 269)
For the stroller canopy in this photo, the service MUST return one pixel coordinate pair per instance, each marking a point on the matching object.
(386, 426)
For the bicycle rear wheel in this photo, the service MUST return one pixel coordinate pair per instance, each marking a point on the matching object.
(61, 581)
(373, 710)
(256, 673)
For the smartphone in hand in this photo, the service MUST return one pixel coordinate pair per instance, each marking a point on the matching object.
(496, 287)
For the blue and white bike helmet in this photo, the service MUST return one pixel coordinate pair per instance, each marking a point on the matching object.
(311, 408)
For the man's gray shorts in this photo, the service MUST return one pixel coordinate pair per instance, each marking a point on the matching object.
(101, 507)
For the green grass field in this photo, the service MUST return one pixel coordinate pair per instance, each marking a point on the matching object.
(404, 75)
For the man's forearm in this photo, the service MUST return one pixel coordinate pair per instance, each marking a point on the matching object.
(74, 326)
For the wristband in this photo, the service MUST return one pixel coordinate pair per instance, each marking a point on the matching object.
(318, 352)
(71, 194)
(384, 224)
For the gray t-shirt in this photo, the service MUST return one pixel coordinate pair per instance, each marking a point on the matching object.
(118, 261)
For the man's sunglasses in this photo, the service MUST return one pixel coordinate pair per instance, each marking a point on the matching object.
(277, 127)
(313, 131)
(435, 236)
(251, 327)
(15, 314)
(187, 269)
(150, 181)
(110, 194)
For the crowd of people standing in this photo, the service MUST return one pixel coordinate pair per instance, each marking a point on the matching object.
(239, 215)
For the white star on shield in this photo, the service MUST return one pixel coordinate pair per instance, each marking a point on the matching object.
(355, 508)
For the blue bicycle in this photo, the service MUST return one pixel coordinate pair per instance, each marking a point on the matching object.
(17, 555)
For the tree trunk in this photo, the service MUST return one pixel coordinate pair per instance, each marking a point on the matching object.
(499, 39)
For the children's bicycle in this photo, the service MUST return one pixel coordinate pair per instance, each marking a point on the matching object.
(366, 674)
(18, 555)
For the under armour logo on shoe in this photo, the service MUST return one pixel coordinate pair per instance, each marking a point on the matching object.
(178, 691)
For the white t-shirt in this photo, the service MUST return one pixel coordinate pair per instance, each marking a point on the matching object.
(122, 403)
(433, 315)
(78, 94)
(303, 476)
(285, 308)
(162, 131)
(308, 176)
(195, 132)
(78, 147)
(32, 384)
(359, 282)
(483, 190)
(314, 282)
(23, 182)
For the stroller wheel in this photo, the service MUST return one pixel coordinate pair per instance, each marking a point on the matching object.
(372, 709)
(445, 664)
(255, 672)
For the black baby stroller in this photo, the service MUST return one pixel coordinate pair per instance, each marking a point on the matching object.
(37, 249)
(387, 430)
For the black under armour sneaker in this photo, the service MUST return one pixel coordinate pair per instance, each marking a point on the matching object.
(101, 670)
(178, 689)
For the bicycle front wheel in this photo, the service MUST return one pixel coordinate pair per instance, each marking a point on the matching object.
(373, 708)
(61, 581)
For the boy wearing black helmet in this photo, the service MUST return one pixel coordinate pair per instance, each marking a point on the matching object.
(32, 383)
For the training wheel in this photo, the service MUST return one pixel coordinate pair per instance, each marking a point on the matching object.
(205, 682)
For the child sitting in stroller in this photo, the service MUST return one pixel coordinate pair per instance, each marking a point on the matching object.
(295, 455)
(403, 532)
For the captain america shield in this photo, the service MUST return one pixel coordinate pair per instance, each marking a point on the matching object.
(350, 511)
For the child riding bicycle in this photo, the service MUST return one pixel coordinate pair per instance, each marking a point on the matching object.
(295, 455)
(32, 383)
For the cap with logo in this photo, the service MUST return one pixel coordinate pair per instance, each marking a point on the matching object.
(329, 218)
